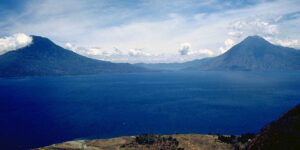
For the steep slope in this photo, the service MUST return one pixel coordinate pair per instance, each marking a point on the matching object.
(44, 58)
(254, 54)
(283, 133)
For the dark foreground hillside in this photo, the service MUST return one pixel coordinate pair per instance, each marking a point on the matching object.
(282, 134)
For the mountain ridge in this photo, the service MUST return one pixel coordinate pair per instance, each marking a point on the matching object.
(172, 66)
(253, 54)
(44, 58)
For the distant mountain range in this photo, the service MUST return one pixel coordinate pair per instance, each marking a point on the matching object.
(172, 66)
(44, 58)
(252, 54)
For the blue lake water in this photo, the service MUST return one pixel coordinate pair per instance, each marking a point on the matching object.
(45, 110)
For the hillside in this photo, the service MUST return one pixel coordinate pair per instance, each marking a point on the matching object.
(283, 133)
(44, 58)
(253, 54)
(152, 142)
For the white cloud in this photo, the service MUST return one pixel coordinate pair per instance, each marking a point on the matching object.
(204, 52)
(93, 51)
(137, 53)
(99, 53)
(69, 46)
(88, 51)
(252, 26)
(235, 33)
(276, 19)
(14, 42)
(184, 49)
(285, 42)
(288, 43)
(228, 44)
(156, 26)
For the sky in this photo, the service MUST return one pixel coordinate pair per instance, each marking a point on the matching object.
(149, 31)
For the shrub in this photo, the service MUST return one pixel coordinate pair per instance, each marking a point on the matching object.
(245, 137)
(226, 139)
(145, 139)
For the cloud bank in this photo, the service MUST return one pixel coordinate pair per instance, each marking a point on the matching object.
(14, 42)
(228, 44)
(186, 49)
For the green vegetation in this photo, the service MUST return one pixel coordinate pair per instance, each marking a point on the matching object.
(145, 139)
(151, 141)
(232, 139)
(245, 137)
(227, 139)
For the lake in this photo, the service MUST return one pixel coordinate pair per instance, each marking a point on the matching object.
(40, 111)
